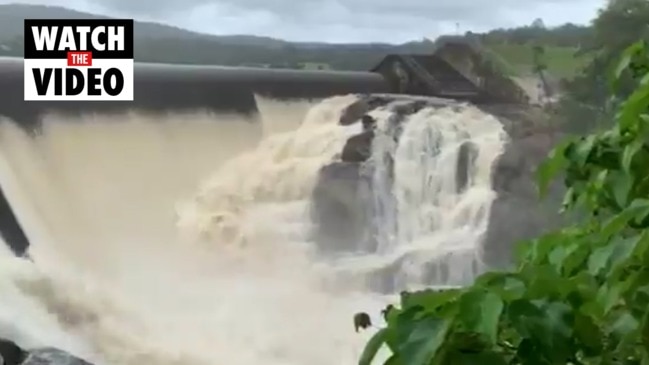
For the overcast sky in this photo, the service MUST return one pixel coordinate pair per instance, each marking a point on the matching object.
(340, 20)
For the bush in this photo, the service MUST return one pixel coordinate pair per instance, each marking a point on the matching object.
(579, 295)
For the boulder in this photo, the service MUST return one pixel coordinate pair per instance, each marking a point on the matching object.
(358, 148)
(340, 207)
(12, 354)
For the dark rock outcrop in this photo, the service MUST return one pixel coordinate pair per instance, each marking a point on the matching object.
(12, 354)
(518, 213)
(340, 207)
(466, 159)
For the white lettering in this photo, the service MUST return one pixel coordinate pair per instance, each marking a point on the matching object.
(83, 32)
(67, 42)
(116, 39)
(44, 38)
(94, 40)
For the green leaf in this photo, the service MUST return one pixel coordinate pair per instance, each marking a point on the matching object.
(623, 250)
(638, 209)
(425, 340)
(621, 185)
(628, 56)
(480, 312)
(583, 150)
(523, 315)
(588, 333)
(644, 331)
(629, 153)
(577, 259)
(624, 325)
(549, 168)
(609, 295)
(373, 346)
(507, 286)
(482, 358)
(431, 299)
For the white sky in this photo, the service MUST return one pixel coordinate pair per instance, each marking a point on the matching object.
(340, 20)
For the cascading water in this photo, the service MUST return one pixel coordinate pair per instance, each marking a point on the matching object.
(243, 283)
(431, 196)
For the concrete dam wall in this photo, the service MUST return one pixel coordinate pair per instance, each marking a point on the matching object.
(163, 89)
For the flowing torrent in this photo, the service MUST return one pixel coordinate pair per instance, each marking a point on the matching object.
(131, 266)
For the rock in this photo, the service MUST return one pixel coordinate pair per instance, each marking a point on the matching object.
(518, 213)
(365, 103)
(465, 163)
(52, 356)
(339, 206)
(358, 148)
(11, 353)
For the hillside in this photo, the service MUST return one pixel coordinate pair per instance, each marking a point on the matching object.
(163, 43)
(561, 61)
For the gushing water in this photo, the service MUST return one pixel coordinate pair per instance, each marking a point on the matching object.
(133, 267)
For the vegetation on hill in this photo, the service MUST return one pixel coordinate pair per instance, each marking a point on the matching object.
(167, 44)
(578, 295)
(587, 103)
(561, 45)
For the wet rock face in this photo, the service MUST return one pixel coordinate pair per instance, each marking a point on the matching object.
(466, 159)
(342, 199)
(358, 148)
(339, 207)
(518, 213)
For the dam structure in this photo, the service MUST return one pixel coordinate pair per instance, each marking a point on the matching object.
(218, 218)
(161, 89)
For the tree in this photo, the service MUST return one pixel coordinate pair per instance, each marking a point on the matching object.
(538, 23)
(616, 27)
(578, 295)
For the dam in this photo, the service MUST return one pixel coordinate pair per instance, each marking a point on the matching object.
(186, 227)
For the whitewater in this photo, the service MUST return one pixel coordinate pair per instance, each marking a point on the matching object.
(186, 239)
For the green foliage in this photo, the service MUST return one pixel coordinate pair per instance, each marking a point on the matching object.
(579, 295)
(618, 25)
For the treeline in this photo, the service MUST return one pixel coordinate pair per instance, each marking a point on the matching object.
(161, 43)
(210, 51)
(567, 35)
(202, 51)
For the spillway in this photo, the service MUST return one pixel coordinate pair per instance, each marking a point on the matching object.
(169, 234)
